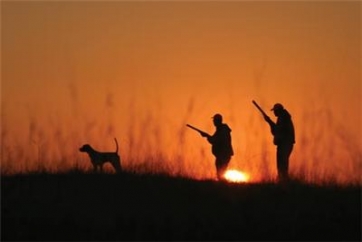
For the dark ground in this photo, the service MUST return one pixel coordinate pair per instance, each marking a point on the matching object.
(80, 206)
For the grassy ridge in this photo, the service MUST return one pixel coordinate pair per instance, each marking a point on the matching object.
(77, 206)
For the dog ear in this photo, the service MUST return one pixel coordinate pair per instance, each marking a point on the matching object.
(85, 147)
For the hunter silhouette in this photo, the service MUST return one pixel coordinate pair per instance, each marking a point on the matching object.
(284, 138)
(221, 145)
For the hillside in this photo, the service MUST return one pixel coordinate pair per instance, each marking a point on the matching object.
(78, 206)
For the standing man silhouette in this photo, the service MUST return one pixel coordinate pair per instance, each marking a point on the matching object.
(221, 145)
(284, 138)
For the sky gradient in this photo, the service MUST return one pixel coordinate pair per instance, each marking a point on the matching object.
(86, 72)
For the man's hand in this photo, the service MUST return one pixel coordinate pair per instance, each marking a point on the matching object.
(203, 134)
(266, 117)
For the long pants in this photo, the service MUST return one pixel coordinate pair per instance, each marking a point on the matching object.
(283, 153)
(221, 164)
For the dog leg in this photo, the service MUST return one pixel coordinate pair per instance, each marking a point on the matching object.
(117, 165)
(95, 168)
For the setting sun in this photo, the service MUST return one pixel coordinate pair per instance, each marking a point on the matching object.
(236, 176)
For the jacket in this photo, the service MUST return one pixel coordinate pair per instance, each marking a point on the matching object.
(221, 141)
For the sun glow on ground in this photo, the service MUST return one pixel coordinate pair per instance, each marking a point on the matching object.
(236, 176)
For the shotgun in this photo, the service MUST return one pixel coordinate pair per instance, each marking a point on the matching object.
(267, 118)
(204, 134)
(260, 109)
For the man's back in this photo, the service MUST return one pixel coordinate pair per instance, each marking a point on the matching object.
(221, 141)
(284, 129)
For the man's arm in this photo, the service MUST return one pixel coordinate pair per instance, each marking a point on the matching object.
(271, 124)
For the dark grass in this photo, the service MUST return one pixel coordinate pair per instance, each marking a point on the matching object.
(80, 206)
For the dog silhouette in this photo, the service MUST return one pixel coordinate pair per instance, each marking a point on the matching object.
(98, 159)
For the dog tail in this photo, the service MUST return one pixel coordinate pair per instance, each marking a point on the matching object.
(116, 145)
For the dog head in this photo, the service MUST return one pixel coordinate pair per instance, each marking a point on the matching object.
(85, 148)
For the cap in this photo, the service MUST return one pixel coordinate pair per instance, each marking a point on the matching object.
(217, 116)
(277, 106)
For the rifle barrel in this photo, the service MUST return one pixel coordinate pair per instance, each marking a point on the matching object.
(194, 128)
(259, 108)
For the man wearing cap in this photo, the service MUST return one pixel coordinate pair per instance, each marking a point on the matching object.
(284, 138)
(221, 145)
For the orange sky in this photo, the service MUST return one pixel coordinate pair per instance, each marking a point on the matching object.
(85, 72)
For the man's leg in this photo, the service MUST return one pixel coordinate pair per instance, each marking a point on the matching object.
(283, 153)
(221, 166)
